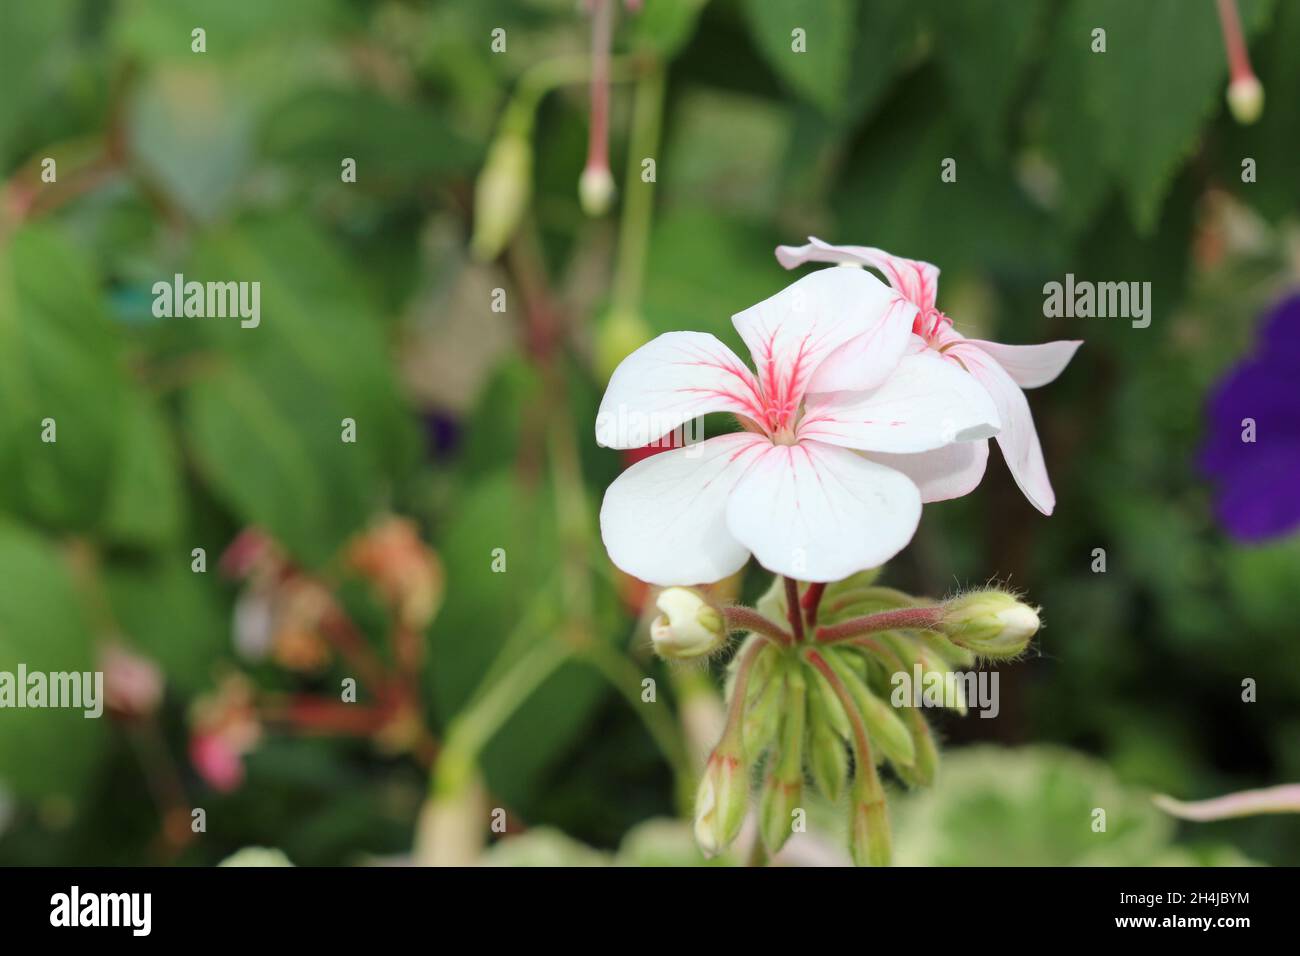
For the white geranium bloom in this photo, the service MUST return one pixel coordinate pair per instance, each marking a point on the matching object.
(1003, 371)
(792, 489)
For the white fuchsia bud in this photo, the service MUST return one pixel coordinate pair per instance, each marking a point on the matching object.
(688, 626)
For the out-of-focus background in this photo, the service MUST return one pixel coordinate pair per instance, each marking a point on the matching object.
(457, 304)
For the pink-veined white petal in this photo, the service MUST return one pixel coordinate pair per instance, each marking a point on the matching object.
(927, 403)
(1018, 438)
(792, 333)
(663, 520)
(866, 360)
(945, 473)
(667, 382)
(917, 280)
(1031, 365)
(820, 513)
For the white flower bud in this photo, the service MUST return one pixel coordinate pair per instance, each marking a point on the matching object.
(688, 625)
(1246, 99)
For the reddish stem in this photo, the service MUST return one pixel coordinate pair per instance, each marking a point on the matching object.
(792, 609)
(602, 27)
(812, 600)
(747, 619)
(922, 618)
(1238, 55)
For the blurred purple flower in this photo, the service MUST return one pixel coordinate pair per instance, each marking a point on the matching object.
(1252, 451)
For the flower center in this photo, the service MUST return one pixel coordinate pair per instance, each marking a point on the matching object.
(784, 436)
(930, 324)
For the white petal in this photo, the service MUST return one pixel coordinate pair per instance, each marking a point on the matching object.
(792, 333)
(927, 403)
(820, 513)
(948, 472)
(1018, 438)
(918, 281)
(668, 381)
(866, 360)
(1032, 365)
(664, 519)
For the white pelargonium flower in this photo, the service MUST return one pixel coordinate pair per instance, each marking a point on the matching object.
(793, 488)
(1003, 371)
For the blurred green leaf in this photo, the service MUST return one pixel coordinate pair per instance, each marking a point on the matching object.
(665, 26)
(820, 68)
(487, 610)
(984, 49)
(1146, 103)
(194, 137)
(43, 751)
(31, 37)
(145, 499)
(266, 427)
(58, 360)
(162, 31)
(394, 143)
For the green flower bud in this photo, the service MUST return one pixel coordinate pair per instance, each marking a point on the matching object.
(502, 193)
(687, 627)
(783, 787)
(830, 709)
(886, 728)
(828, 757)
(990, 623)
(913, 652)
(869, 840)
(763, 716)
(925, 766)
(952, 655)
(722, 798)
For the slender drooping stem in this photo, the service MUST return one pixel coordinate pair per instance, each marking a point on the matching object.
(904, 618)
(792, 609)
(741, 618)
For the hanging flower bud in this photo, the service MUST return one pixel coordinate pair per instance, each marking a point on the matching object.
(990, 623)
(763, 717)
(502, 193)
(1245, 94)
(722, 798)
(688, 626)
(925, 766)
(783, 788)
(869, 841)
(596, 190)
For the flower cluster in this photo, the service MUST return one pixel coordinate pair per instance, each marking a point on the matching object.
(820, 703)
(864, 402)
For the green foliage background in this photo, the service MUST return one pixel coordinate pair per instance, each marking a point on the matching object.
(175, 434)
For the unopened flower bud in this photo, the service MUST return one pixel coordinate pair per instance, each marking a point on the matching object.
(1246, 99)
(828, 757)
(687, 627)
(783, 788)
(722, 798)
(763, 714)
(869, 840)
(501, 194)
(925, 766)
(596, 190)
(990, 623)
(884, 725)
